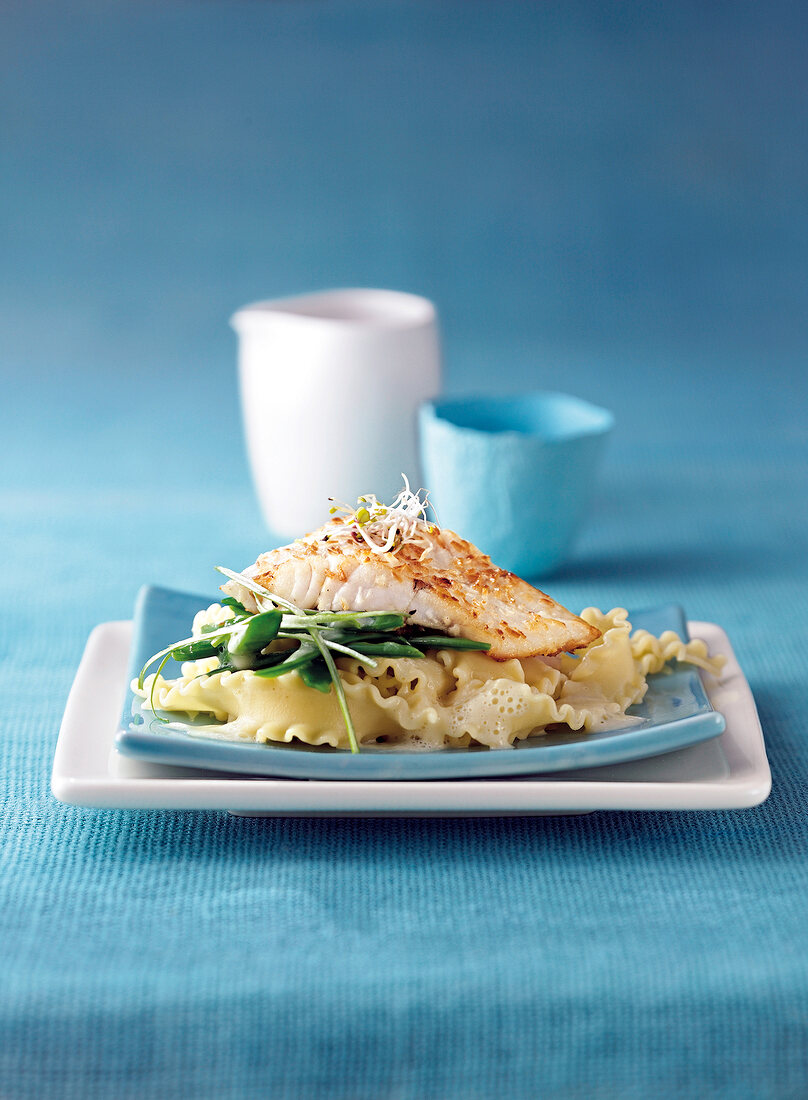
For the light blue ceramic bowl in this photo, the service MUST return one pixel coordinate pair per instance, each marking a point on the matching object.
(514, 475)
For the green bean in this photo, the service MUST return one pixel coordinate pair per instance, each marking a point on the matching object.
(296, 658)
(386, 649)
(255, 635)
(195, 651)
(446, 641)
(345, 620)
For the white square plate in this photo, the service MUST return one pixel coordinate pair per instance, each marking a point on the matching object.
(728, 772)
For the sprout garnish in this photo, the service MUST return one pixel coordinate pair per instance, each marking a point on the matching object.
(385, 527)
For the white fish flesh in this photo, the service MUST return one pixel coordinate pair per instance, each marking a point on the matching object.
(441, 581)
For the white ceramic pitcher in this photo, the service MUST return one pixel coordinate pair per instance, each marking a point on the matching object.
(330, 387)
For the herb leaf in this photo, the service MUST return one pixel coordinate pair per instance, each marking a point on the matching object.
(316, 675)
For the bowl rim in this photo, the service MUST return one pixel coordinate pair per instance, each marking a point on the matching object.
(445, 410)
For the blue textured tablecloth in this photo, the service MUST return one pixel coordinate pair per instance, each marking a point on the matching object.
(609, 201)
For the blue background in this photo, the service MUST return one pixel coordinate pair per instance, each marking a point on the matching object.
(608, 200)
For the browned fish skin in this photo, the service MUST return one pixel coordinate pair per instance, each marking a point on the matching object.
(452, 587)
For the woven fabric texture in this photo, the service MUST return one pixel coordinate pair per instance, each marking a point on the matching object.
(607, 205)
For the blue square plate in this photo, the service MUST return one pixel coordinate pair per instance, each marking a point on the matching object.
(676, 712)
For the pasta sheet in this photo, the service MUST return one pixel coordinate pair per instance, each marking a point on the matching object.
(446, 699)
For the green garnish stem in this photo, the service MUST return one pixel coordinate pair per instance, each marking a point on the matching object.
(341, 700)
(160, 668)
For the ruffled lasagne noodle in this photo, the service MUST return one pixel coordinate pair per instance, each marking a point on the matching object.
(447, 699)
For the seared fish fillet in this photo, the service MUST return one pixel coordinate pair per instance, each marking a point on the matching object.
(441, 581)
